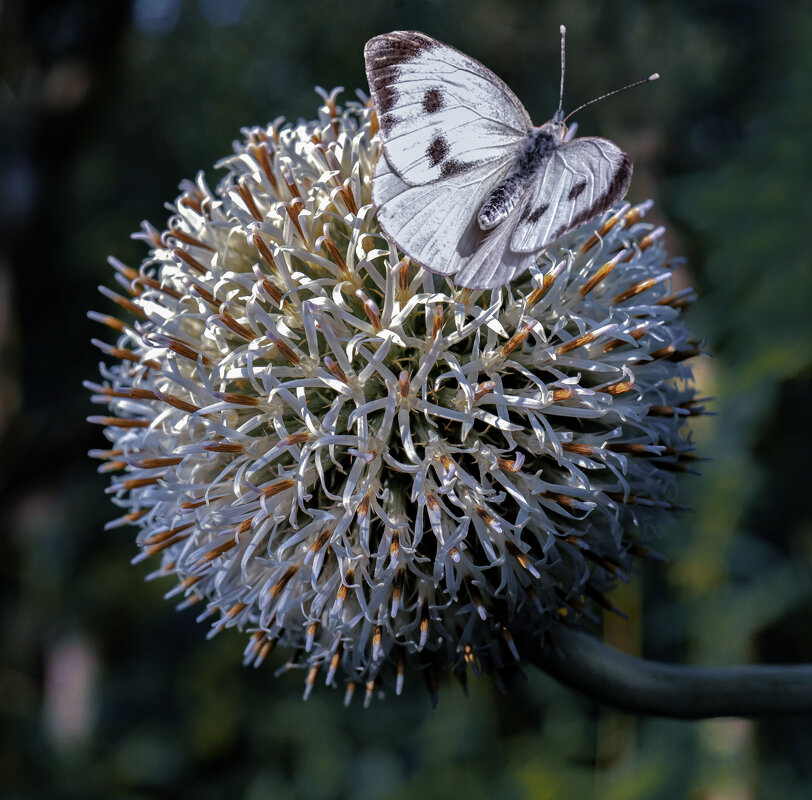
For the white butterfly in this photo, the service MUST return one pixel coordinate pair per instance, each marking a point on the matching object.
(467, 186)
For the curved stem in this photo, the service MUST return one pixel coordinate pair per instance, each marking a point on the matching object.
(581, 662)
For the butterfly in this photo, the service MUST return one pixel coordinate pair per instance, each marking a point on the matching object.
(466, 185)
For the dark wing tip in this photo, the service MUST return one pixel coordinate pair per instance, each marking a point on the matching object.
(383, 56)
(396, 47)
(621, 181)
(615, 191)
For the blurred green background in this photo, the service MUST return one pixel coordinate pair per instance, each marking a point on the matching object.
(105, 691)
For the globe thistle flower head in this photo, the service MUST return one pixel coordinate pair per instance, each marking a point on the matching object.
(346, 456)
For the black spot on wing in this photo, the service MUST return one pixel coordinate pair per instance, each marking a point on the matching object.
(432, 101)
(437, 150)
(577, 190)
(617, 188)
(453, 167)
(437, 154)
(535, 215)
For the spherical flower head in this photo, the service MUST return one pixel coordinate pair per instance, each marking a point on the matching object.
(345, 455)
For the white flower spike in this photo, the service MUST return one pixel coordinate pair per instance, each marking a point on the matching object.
(354, 459)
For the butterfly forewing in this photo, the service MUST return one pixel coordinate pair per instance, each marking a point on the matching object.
(440, 111)
(581, 179)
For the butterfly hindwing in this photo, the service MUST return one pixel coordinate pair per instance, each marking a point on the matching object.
(435, 224)
(441, 112)
(581, 179)
(493, 263)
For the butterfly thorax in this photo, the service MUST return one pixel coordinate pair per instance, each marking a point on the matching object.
(538, 147)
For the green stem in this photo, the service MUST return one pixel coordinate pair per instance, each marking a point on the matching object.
(582, 662)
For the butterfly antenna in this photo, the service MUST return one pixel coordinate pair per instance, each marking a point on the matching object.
(650, 78)
(560, 112)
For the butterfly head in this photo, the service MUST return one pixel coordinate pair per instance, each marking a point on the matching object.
(556, 127)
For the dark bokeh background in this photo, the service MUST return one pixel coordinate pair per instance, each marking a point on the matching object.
(106, 692)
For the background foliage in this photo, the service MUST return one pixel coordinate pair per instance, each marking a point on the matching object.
(105, 691)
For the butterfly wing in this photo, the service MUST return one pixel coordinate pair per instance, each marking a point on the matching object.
(441, 112)
(492, 263)
(581, 179)
(435, 224)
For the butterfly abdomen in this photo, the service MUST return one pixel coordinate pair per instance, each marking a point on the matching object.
(506, 194)
(501, 201)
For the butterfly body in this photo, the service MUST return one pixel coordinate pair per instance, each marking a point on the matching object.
(537, 149)
(466, 184)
